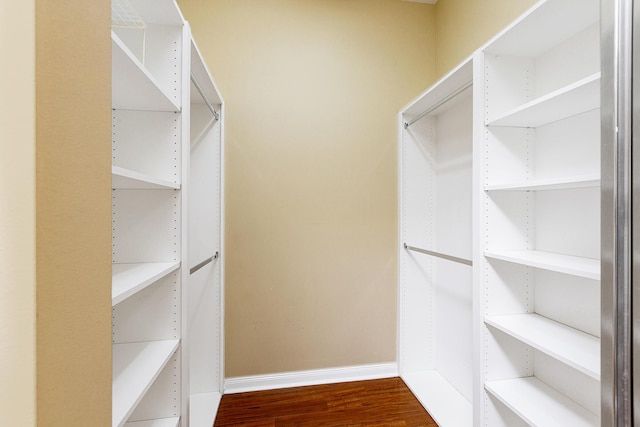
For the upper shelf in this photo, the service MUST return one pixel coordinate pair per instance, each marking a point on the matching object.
(572, 347)
(566, 183)
(559, 20)
(573, 265)
(126, 13)
(200, 72)
(578, 97)
(133, 87)
(441, 90)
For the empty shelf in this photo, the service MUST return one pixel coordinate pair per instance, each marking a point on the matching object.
(549, 184)
(576, 266)
(122, 178)
(161, 422)
(571, 346)
(576, 98)
(135, 367)
(133, 87)
(444, 403)
(127, 279)
(528, 396)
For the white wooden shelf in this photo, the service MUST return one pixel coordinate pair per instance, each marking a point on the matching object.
(540, 405)
(573, 265)
(564, 183)
(544, 27)
(133, 87)
(122, 178)
(155, 12)
(162, 422)
(203, 408)
(578, 97)
(444, 403)
(458, 78)
(135, 368)
(127, 279)
(571, 346)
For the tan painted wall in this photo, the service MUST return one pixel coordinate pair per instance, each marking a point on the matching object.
(462, 26)
(73, 212)
(312, 90)
(17, 214)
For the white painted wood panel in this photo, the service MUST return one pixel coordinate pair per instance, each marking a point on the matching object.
(203, 408)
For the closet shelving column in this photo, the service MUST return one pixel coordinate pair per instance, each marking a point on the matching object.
(538, 140)
(147, 211)
(205, 243)
(435, 293)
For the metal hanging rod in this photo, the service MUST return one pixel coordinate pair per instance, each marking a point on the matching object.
(439, 104)
(439, 255)
(203, 263)
(216, 115)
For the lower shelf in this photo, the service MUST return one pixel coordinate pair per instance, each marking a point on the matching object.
(163, 422)
(575, 348)
(444, 403)
(203, 408)
(135, 367)
(540, 405)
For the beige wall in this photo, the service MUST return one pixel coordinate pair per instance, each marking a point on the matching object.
(73, 212)
(312, 90)
(462, 26)
(17, 214)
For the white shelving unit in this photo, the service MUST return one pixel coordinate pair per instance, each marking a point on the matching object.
(204, 302)
(435, 298)
(521, 199)
(537, 266)
(158, 356)
(148, 173)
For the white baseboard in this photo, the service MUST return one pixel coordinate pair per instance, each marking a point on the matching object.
(312, 377)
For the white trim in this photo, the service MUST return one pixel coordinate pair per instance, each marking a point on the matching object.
(311, 377)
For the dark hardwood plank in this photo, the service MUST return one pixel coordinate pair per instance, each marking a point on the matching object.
(376, 403)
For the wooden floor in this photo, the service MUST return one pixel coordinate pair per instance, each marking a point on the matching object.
(385, 402)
